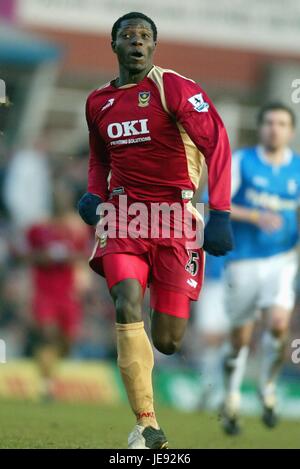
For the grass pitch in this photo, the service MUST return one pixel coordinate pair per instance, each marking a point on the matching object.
(61, 425)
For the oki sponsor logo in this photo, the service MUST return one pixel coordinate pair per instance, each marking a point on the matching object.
(128, 128)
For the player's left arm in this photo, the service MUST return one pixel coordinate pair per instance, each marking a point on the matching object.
(193, 109)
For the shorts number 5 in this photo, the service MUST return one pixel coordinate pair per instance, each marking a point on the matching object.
(192, 265)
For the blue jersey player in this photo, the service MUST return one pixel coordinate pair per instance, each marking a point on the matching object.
(261, 271)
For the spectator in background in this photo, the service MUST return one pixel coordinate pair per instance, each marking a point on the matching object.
(55, 245)
(27, 185)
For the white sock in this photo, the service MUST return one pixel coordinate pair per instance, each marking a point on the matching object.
(272, 359)
(235, 366)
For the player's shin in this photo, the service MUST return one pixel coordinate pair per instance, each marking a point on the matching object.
(47, 357)
(234, 370)
(135, 360)
(272, 359)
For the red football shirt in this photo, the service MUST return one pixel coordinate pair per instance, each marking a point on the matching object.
(60, 240)
(152, 138)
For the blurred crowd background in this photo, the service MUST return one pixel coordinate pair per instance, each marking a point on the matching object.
(52, 54)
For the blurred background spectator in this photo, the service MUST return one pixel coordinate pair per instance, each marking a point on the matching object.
(27, 186)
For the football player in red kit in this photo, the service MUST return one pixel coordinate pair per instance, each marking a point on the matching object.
(55, 246)
(151, 130)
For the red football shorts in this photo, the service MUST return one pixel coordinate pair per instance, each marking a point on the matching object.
(173, 273)
(60, 312)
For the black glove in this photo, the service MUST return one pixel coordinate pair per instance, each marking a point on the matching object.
(87, 207)
(218, 236)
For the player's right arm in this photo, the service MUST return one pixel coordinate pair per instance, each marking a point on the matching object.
(98, 171)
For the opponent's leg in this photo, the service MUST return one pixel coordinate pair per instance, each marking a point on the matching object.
(242, 283)
(277, 303)
(234, 370)
(210, 367)
(273, 351)
(211, 325)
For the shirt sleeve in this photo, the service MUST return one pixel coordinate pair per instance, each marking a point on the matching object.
(193, 109)
(99, 162)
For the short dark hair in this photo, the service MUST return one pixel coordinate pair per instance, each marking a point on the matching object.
(130, 16)
(275, 106)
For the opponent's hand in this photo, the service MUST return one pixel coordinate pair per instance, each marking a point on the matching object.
(87, 208)
(269, 221)
(218, 236)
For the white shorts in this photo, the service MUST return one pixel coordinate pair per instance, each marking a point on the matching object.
(255, 284)
(209, 310)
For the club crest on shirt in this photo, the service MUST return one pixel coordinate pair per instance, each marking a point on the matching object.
(198, 102)
(144, 98)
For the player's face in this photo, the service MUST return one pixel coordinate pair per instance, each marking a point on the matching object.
(276, 130)
(134, 45)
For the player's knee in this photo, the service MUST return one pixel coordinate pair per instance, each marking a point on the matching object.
(127, 311)
(279, 330)
(166, 344)
(279, 326)
(241, 337)
(167, 347)
(49, 335)
(238, 342)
